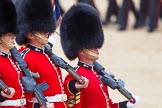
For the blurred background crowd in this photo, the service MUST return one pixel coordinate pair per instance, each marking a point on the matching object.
(147, 14)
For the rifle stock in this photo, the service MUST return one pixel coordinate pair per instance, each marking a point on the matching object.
(113, 83)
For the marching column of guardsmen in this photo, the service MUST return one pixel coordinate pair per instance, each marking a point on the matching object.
(36, 23)
(82, 37)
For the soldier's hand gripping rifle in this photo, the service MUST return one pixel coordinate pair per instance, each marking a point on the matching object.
(4, 88)
(113, 83)
(61, 63)
(28, 81)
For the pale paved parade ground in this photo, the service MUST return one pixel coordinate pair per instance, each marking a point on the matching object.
(134, 56)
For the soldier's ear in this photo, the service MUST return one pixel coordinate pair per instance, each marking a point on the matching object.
(80, 53)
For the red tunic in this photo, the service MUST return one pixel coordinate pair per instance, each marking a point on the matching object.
(94, 96)
(38, 61)
(10, 74)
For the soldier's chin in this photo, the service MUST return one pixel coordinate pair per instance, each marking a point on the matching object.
(46, 40)
(10, 46)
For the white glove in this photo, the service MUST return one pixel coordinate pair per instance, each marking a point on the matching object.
(131, 105)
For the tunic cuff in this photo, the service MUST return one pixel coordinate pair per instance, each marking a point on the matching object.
(72, 87)
(123, 104)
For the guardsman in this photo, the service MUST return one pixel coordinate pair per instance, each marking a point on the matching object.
(36, 22)
(10, 72)
(82, 37)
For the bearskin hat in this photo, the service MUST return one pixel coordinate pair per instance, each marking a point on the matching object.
(34, 16)
(8, 17)
(80, 28)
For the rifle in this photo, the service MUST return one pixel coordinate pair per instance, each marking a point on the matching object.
(113, 83)
(4, 88)
(28, 81)
(61, 63)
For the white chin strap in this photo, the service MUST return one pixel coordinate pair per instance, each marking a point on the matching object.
(41, 36)
(90, 52)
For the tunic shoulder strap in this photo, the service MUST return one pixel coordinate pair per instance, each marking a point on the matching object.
(24, 52)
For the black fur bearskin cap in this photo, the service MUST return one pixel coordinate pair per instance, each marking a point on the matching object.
(80, 28)
(8, 17)
(34, 16)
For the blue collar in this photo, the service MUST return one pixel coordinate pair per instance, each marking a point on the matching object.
(37, 49)
(4, 54)
(85, 65)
